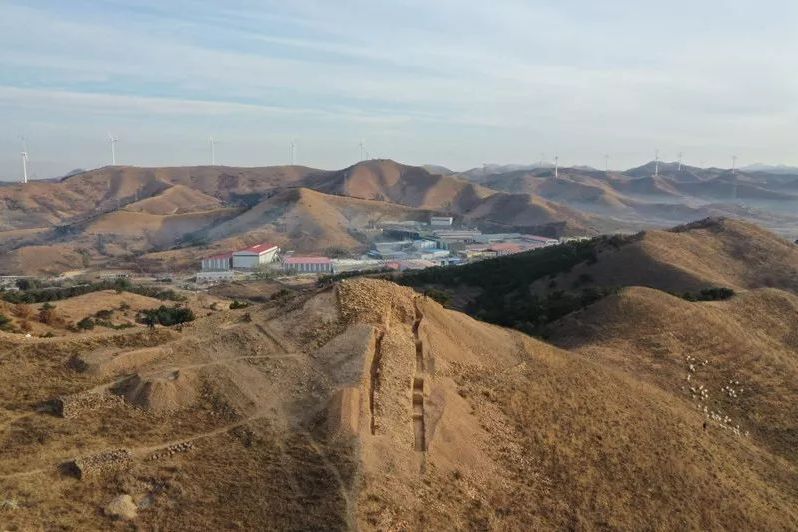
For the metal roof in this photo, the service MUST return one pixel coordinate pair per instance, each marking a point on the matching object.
(307, 260)
(257, 249)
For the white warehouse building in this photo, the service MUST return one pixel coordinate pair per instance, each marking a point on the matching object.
(252, 257)
(308, 265)
(217, 263)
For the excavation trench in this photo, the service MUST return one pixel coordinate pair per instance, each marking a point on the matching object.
(419, 430)
(374, 379)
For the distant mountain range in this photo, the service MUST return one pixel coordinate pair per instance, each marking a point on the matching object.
(166, 218)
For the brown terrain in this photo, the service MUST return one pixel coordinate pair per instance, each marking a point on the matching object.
(167, 218)
(366, 405)
(637, 198)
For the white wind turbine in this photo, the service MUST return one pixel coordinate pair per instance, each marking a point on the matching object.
(213, 150)
(656, 163)
(113, 141)
(24, 154)
(292, 148)
(556, 166)
(680, 161)
(362, 145)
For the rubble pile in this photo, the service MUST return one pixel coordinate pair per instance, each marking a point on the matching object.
(75, 405)
(100, 463)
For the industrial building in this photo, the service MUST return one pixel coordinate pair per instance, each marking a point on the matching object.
(441, 221)
(218, 263)
(254, 256)
(209, 277)
(308, 264)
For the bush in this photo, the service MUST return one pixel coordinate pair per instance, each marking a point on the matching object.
(166, 316)
(709, 294)
(48, 315)
(438, 295)
(505, 297)
(104, 314)
(37, 294)
(86, 324)
(236, 304)
(5, 322)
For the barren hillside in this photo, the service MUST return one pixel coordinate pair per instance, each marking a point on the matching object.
(369, 406)
(639, 198)
(116, 214)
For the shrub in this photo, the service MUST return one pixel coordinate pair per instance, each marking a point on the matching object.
(25, 284)
(166, 316)
(709, 294)
(5, 321)
(438, 295)
(104, 314)
(48, 315)
(86, 324)
(37, 294)
(236, 304)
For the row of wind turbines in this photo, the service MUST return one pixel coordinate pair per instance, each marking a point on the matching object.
(656, 163)
(364, 155)
(212, 142)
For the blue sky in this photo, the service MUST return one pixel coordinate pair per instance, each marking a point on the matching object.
(457, 83)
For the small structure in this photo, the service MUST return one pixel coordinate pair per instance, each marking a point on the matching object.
(441, 221)
(308, 264)
(217, 263)
(506, 248)
(215, 277)
(253, 256)
(99, 463)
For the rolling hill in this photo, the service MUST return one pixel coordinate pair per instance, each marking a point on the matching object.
(639, 198)
(171, 216)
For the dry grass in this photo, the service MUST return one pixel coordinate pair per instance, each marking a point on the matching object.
(460, 424)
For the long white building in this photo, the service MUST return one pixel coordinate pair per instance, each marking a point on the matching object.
(308, 264)
(253, 256)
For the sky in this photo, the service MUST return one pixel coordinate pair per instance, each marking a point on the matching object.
(452, 82)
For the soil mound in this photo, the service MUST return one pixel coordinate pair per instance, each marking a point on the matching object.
(161, 394)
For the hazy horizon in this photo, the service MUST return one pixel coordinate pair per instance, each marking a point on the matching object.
(423, 83)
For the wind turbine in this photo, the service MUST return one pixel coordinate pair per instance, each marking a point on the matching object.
(656, 163)
(213, 150)
(292, 151)
(734, 174)
(680, 161)
(606, 163)
(113, 140)
(362, 150)
(24, 154)
(734, 164)
(556, 166)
